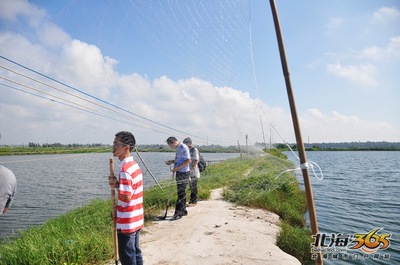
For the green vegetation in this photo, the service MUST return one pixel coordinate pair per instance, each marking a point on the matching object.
(202, 148)
(346, 146)
(259, 187)
(57, 148)
(275, 152)
(80, 237)
(36, 149)
(253, 182)
(83, 236)
(41, 150)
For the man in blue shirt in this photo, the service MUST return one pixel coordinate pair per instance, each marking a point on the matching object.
(182, 172)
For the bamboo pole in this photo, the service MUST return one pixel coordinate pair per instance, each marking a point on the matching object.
(113, 213)
(296, 125)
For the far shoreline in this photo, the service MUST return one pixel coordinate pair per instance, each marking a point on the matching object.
(57, 148)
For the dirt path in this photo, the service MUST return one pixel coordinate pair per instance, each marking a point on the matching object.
(215, 232)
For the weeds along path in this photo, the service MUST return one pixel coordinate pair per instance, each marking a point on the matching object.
(215, 232)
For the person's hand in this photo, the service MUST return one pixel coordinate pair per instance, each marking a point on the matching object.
(113, 182)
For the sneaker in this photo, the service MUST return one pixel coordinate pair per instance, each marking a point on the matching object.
(191, 204)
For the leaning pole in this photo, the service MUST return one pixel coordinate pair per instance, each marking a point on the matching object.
(296, 126)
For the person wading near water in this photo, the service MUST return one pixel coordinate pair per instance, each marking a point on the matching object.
(181, 169)
(129, 212)
(194, 171)
(8, 187)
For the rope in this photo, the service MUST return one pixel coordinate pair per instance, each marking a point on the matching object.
(81, 107)
(89, 95)
(306, 165)
(137, 152)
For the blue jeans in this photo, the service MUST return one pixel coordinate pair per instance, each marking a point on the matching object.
(128, 249)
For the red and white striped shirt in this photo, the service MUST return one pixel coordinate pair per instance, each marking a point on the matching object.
(130, 214)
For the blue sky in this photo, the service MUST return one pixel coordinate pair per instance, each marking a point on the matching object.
(205, 69)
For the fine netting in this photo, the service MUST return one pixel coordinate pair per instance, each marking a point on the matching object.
(212, 37)
(253, 181)
(205, 48)
(210, 40)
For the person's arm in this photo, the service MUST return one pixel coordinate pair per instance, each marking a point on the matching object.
(8, 204)
(194, 165)
(184, 164)
(124, 189)
(196, 158)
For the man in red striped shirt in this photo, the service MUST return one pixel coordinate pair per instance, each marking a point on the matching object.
(130, 214)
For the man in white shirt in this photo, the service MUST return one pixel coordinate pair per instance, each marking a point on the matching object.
(8, 187)
(194, 171)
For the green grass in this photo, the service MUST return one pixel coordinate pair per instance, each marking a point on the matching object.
(84, 236)
(7, 151)
(80, 237)
(295, 241)
(265, 188)
(256, 182)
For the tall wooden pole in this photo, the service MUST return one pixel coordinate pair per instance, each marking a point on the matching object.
(113, 213)
(296, 125)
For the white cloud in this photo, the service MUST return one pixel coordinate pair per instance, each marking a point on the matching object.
(363, 74)
(373, 53)
(337, 127)
(11, 10)
(193, 105)
(391, 51)
(52, 36)
(393, 48)
(335, 22)
(386, 14)
(369, 48)
(83, 65)
(221, 114)
(333, 25)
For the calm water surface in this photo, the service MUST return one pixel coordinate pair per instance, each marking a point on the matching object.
(50, 185)
(360, 192)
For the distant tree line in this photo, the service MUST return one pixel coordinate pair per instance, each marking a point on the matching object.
(346, 146)
(202, 148)
(76, 145)
(234, 149)
(141, 148)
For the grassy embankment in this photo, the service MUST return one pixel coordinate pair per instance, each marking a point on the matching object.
(83, 236)
(78, 149)
(12, 150)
